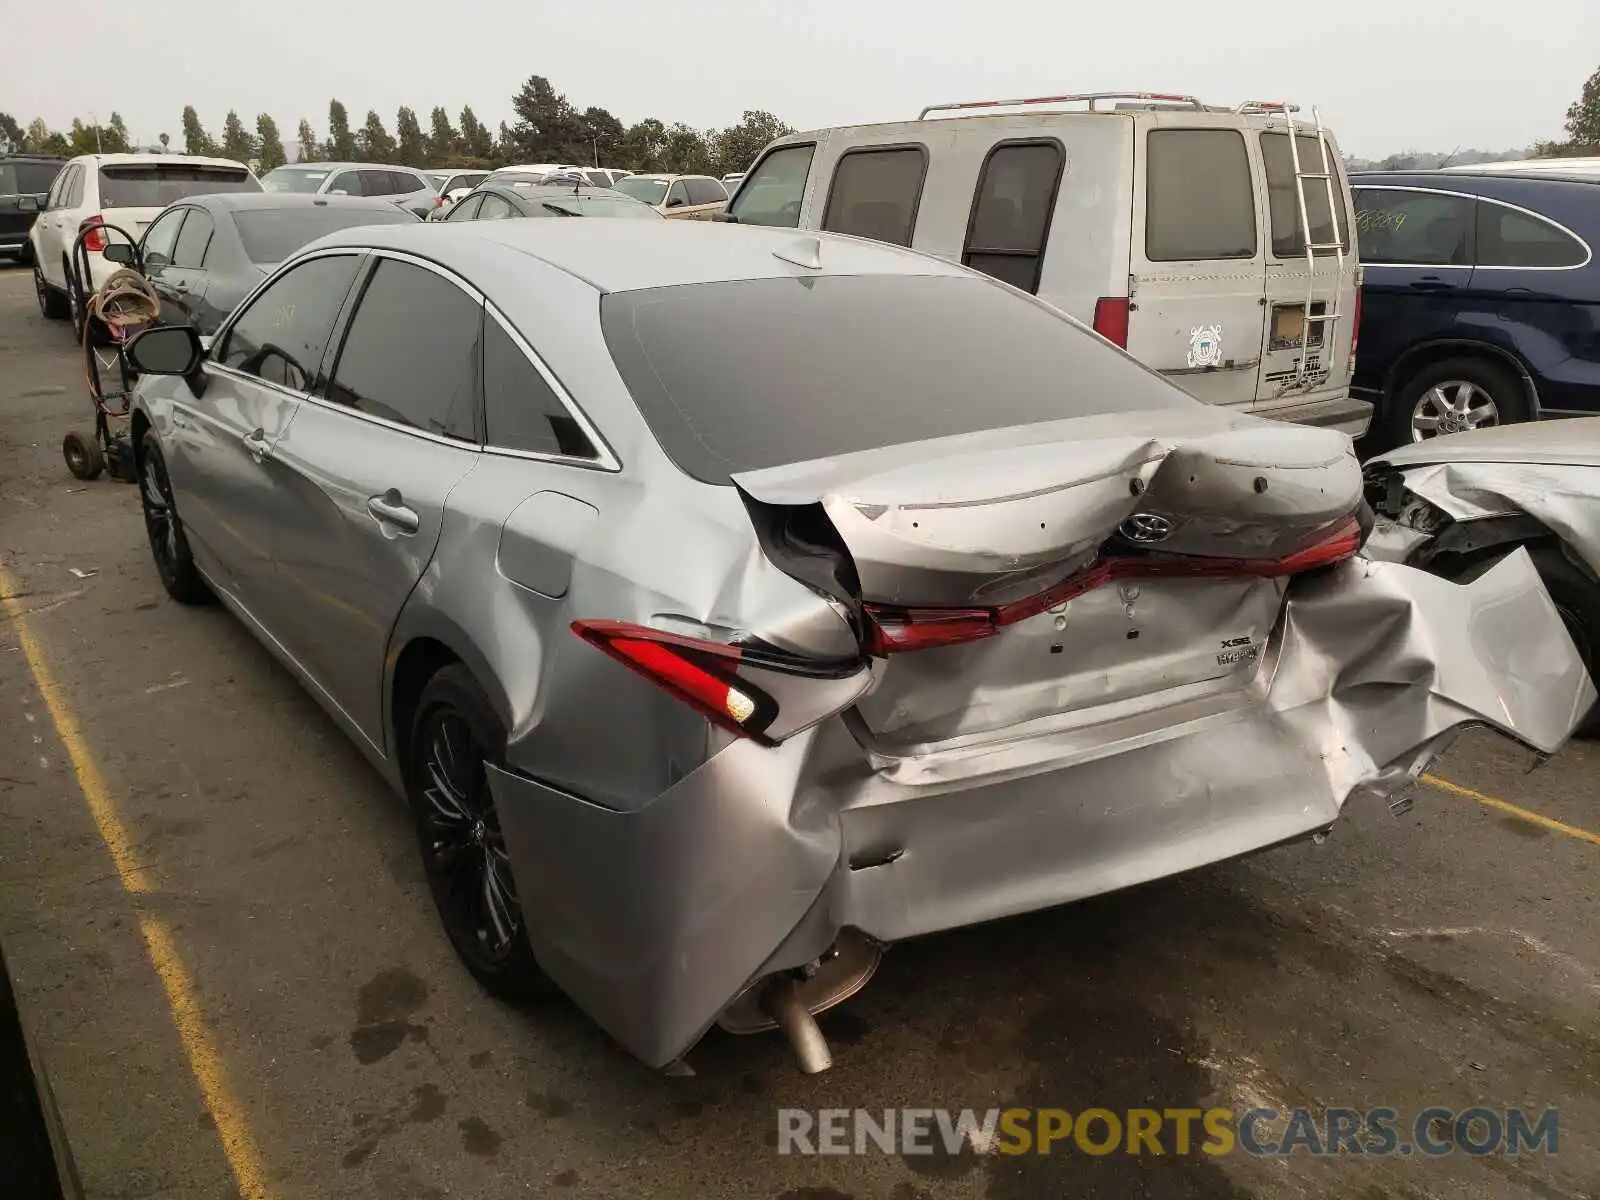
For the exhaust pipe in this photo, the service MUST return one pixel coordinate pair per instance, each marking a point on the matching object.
(781, 1001)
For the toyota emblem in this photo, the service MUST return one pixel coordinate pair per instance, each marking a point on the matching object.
(1146, 528)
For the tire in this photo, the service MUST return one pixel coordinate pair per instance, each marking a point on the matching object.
(83, 455)
(169, 545)
(52, 304)
(459, 838)
(1577, 600)
(1495, 393)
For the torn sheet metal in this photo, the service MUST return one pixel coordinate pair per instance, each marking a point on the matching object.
(655, 921)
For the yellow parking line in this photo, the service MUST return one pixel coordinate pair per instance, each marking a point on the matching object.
(238, 1146)
(1523, 814)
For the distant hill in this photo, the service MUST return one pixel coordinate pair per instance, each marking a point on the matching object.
(1420, 160)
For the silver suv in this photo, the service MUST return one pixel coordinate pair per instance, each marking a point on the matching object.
(408, 188)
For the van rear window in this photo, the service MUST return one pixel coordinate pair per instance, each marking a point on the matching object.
(156, 185)
(1284, 198)
(1200, 200)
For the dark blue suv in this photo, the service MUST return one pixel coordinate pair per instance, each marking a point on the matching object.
(1481, 302)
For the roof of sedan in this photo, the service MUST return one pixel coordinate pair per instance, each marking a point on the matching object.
(619, 256)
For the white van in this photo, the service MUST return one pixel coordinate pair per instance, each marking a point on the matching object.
(1172, 227)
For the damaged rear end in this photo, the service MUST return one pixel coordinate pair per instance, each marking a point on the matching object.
(1019, 662)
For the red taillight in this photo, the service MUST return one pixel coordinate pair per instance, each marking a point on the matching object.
(1355, 328)
(895, 630)
(1111, 319)
(438, 201)
(704, 675)
(96, 241)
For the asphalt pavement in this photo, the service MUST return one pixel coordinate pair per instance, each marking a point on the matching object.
(225, 949)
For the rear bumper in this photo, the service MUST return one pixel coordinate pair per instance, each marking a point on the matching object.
(655, 921)
(1348, 414)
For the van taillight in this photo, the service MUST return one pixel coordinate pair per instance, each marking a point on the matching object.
(893, 629)
(96, 241)
(1355, 329)
(1111, 319)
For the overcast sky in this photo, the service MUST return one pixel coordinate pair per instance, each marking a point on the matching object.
(1389, 75)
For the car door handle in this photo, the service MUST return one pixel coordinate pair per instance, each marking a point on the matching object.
(256, 443)
(390, 509)
(1431, 285)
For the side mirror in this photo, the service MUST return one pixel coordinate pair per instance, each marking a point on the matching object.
(28, 204)
(120, 252)
(166, 350)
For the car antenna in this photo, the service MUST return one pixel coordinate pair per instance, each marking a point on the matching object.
(807, 252)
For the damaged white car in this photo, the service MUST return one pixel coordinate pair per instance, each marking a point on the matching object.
(729, 603)
(1457, 505)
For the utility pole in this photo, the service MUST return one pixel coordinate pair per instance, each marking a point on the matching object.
(95, 117)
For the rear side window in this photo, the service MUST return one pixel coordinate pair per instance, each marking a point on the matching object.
(1419, 229)
(1200, 200)
(875, 193)
(404, 181)
(729, 376)
(281, 336)
(1509, 238)
(1011, 212)
(771, 194)
(271, 235)
(194, 240)
(157, 185)
(598, 178)
(410, 354)
(1283, 197)
(494, 208)
(376, 183)
(521, 410)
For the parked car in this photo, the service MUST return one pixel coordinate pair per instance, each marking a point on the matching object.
(1143, 221)
(1534, 166)
(728, 602)
(453, 185)
(38, 1158)
(1480, 299)
(681, 197)
(731, 181)
(1457, 505)
(23, 175)
(513, 198)
(206, 254)
(400, 185)
(536, 169)
(122, 190)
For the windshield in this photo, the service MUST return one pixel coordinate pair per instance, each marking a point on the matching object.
(437, 178)
(27, 178)
(641, 187)
(156, 185)
(598, 206)
(294, 179)
(757, 373)
(271, 235)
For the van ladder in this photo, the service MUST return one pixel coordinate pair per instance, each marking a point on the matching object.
(1331, 313)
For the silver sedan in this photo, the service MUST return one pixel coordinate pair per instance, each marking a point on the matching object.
(729, 603)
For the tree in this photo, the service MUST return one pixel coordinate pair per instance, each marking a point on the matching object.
(12, 138)
(307, 139)
(443, 141)
(271, 145)
(1583, 118)
(165, 139)
(195, 139)
(606, 135)
(736, 147)
(114, 138)
(548, 128)
(684, 151)
(506, 146)
(641, 145)
(237, 143)
(411, 147)
(373, 143)
(83, 139)
(40, 140)
(476, 141)
(341, 142)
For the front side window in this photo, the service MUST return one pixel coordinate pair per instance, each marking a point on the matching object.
(1509, 238)
(161, 237)
(410, 354)
(1011, 212)
(345, 183)
(466, 209)
(643, 187)
(376, 183)
(521, 410)
(194, 240)
(1283, 195)
(73, 194)
(598, 178)
(1417, 229)
(1200, 198)
(706, 191)
(495, 208)
(771, 194)
(678, 196)
(281, 337)
(875, 194)
(58, 188)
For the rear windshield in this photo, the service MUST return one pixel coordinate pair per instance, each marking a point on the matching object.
(744, 375)
(595, 206)
(157, 185)
(294, 179)
(27, 178)
(272, 235)
(651, 191)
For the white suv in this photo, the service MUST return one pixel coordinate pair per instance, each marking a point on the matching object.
(126, 191)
